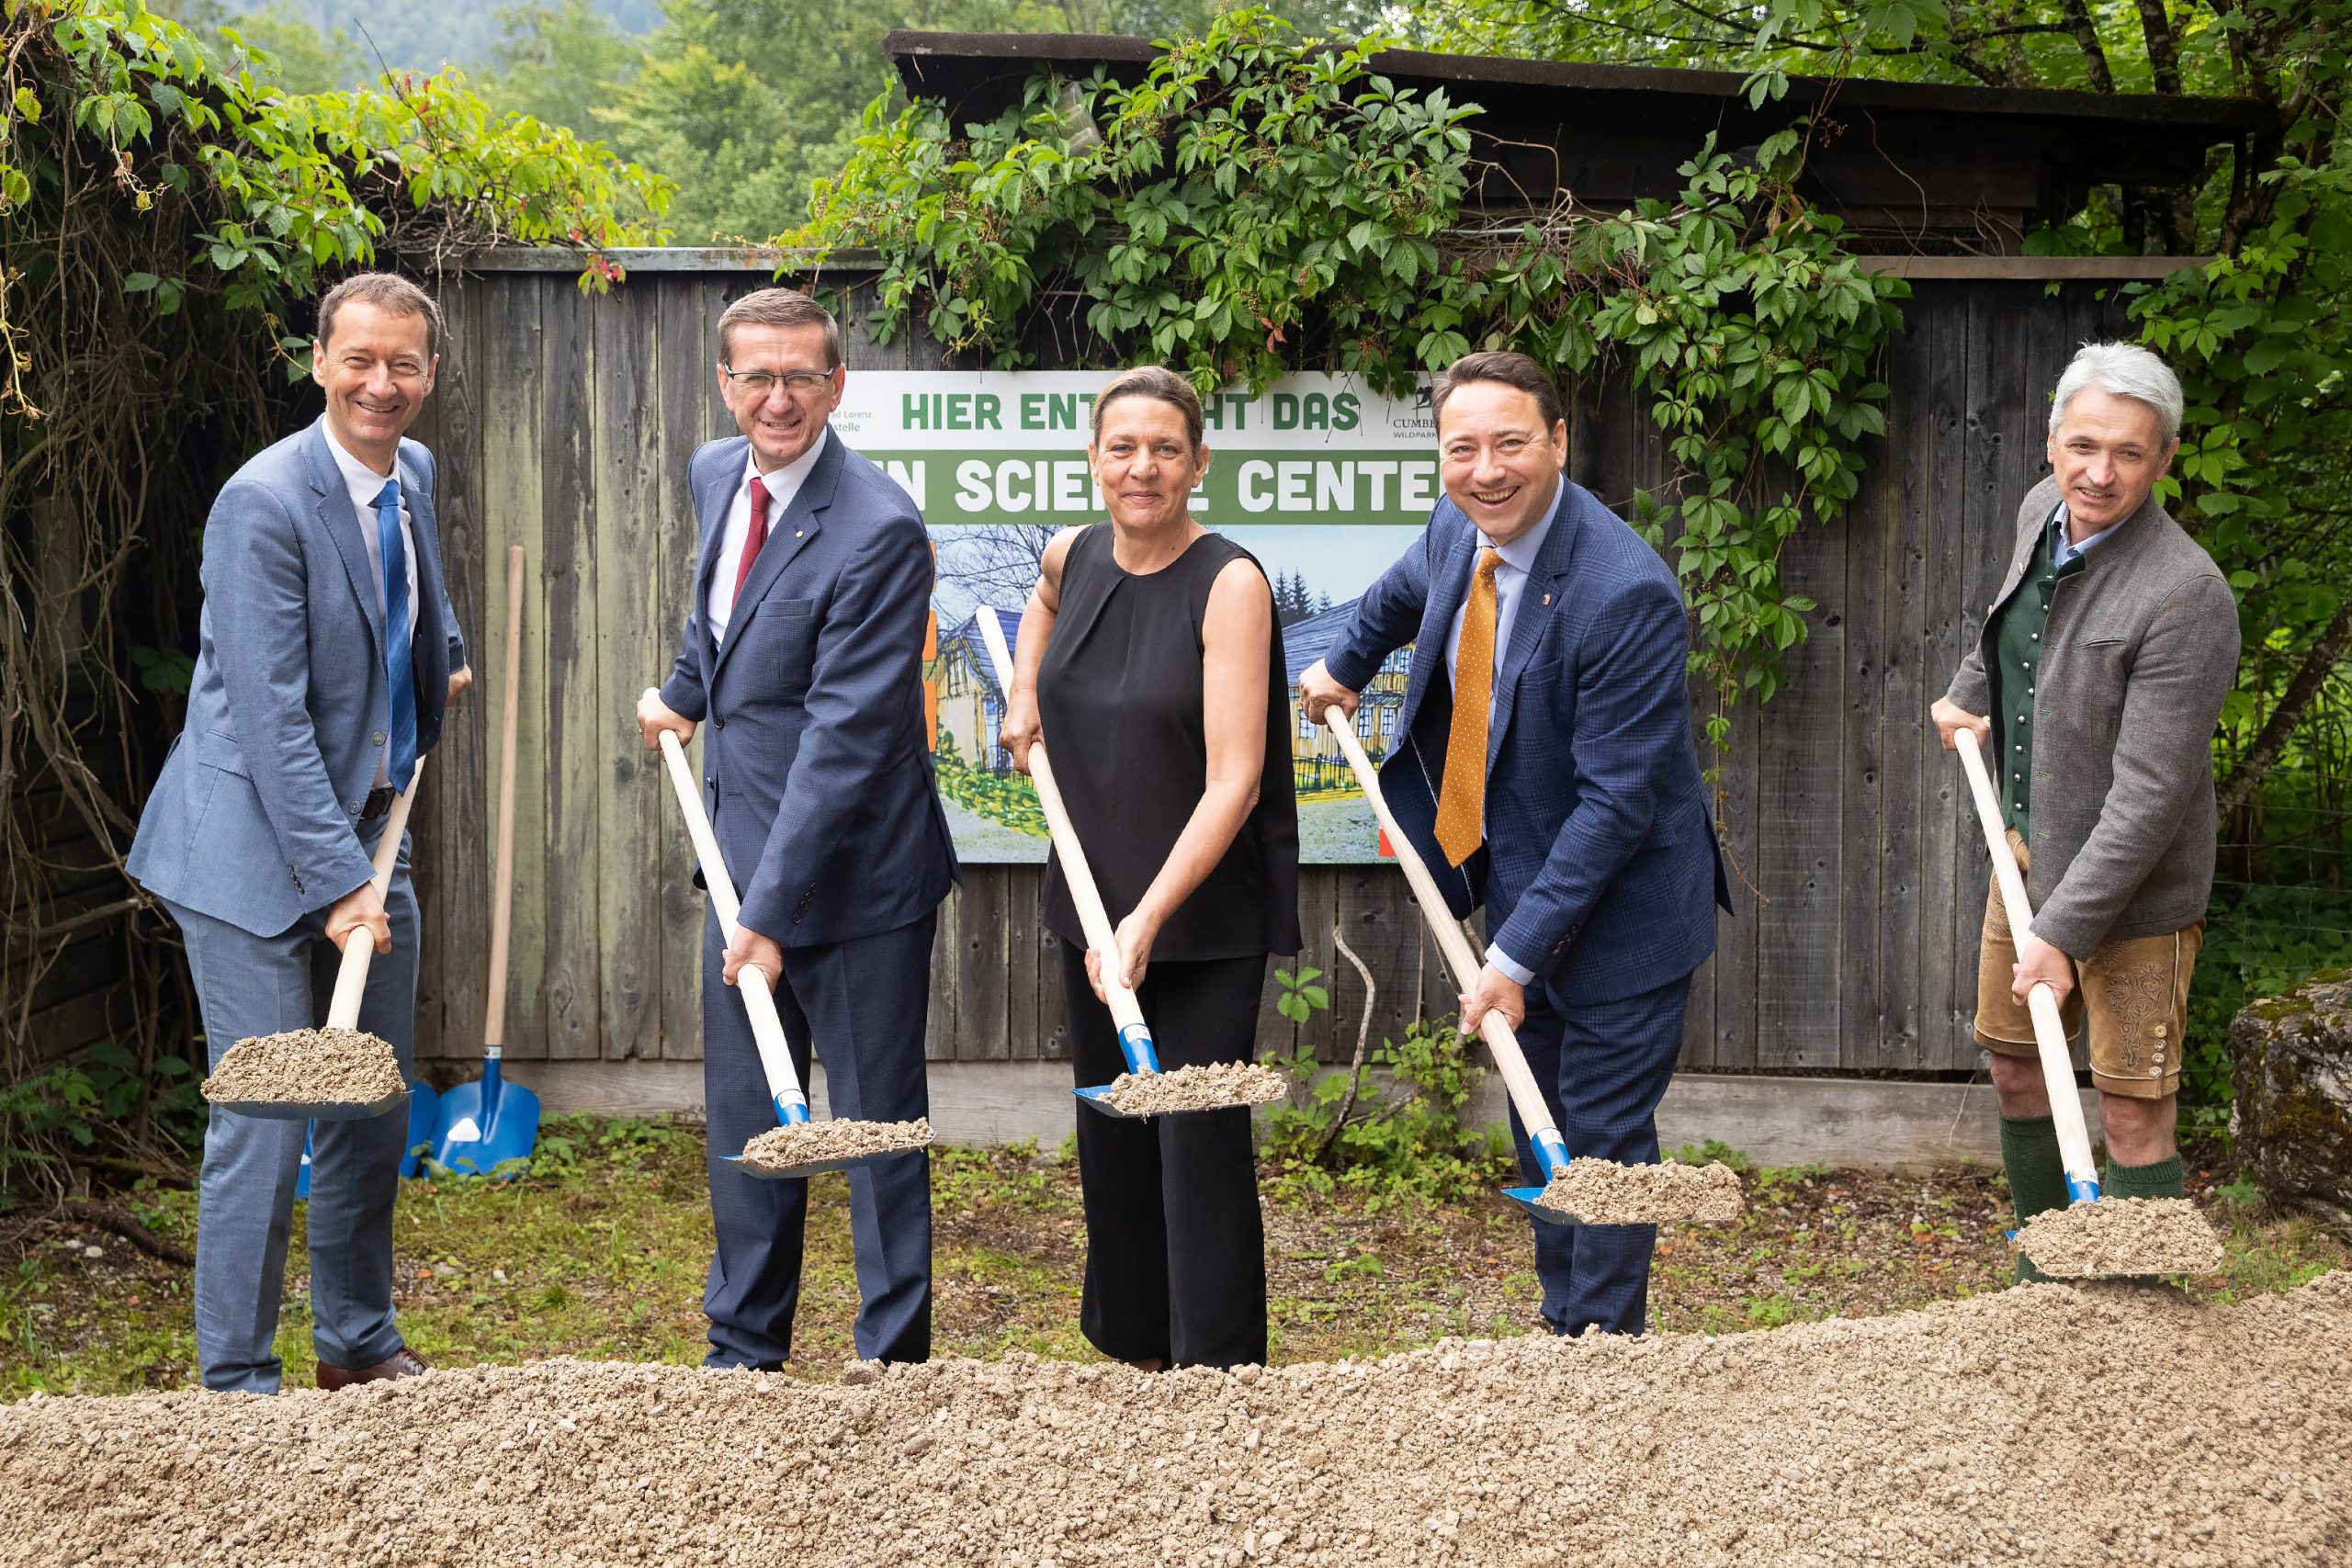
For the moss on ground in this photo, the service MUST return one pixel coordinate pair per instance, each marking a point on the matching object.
(600, 1253)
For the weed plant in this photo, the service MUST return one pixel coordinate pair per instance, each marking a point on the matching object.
(1404, 1135)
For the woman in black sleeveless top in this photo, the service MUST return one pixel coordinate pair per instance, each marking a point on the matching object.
(1151, 660)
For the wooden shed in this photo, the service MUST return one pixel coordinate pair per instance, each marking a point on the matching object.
(564, 422)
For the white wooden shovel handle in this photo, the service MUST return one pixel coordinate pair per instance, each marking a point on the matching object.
(1092, 918)
(359, 947)
(1509, 1061)
(759, 1001)
(2048, 1029)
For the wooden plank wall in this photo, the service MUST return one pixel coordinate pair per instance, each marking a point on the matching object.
(564, 423)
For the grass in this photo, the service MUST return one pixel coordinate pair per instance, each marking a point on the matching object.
(600, 1252)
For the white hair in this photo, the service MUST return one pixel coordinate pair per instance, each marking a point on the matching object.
(2121, 370)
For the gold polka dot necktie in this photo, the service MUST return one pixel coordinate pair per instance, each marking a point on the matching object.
(1462, 798)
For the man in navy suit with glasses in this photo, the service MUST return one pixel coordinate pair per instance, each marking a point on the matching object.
(803, 660)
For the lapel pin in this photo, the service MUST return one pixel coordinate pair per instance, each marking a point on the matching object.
(1547, 598)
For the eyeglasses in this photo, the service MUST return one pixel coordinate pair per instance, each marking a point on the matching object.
(760, 383)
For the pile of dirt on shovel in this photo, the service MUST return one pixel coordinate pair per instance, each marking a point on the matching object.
(325, 1066)
(1206, 1087)
(2077, 1427)
(815, 1143)
(1602, 1193)
(2122, 1235)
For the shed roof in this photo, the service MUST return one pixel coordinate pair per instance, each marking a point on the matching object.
(1912, 167)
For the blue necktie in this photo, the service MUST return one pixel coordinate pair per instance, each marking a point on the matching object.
(400, 669)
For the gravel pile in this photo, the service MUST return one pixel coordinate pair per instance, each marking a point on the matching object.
(1602, 1193)
(2122, 1235)
(317, 1066)
(2074, 1427)
(1212, 1086)
(814, 1142)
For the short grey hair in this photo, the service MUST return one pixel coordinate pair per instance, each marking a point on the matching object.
(2122, 370)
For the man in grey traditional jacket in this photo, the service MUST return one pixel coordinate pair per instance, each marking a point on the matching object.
(2095, 688)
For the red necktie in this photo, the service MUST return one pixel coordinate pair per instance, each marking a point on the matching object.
(756, 536)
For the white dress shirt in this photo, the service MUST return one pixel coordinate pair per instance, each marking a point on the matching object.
(364, 484)
(784, 484)
(1510, 585)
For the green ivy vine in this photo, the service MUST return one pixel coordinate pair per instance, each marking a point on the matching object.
(1261, 203)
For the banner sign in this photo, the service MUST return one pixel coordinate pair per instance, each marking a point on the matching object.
(1323, 481)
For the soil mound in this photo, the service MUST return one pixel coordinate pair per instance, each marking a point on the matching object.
(321, 1066)
(2079, 1426)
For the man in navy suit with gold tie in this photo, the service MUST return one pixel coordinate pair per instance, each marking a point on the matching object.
(1547, 771)
(803, 656)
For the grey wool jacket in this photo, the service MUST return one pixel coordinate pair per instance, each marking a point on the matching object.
(2141, 649)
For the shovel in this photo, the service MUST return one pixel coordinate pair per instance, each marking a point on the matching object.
(483, 1127)
(767, 1028)
(342, 1009)
(2065, 1105)
(1126, 1013)
(421, 1098)
(1543, 1132)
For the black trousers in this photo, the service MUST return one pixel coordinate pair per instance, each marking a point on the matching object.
(1175, 1249)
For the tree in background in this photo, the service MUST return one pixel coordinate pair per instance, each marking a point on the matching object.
(301, 59)
(557, 62)
(745, 104)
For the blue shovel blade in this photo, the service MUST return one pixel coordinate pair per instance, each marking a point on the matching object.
(475, 1133)
(1525, 1196)
(424, 1105)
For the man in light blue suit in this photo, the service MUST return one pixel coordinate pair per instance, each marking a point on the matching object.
(803, 656)
(1547, 771)
(327, 652)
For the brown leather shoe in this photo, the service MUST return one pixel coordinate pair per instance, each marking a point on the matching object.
(404, 1363)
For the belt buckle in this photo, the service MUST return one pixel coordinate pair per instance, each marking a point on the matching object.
(380, 800)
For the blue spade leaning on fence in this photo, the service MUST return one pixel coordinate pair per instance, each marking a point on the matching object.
(490, 1126)
(797, 1146)
(1143, 1090)
(1594, 1190)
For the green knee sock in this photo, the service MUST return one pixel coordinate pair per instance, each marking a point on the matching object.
(2037, 1174)
(2161, 1179)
